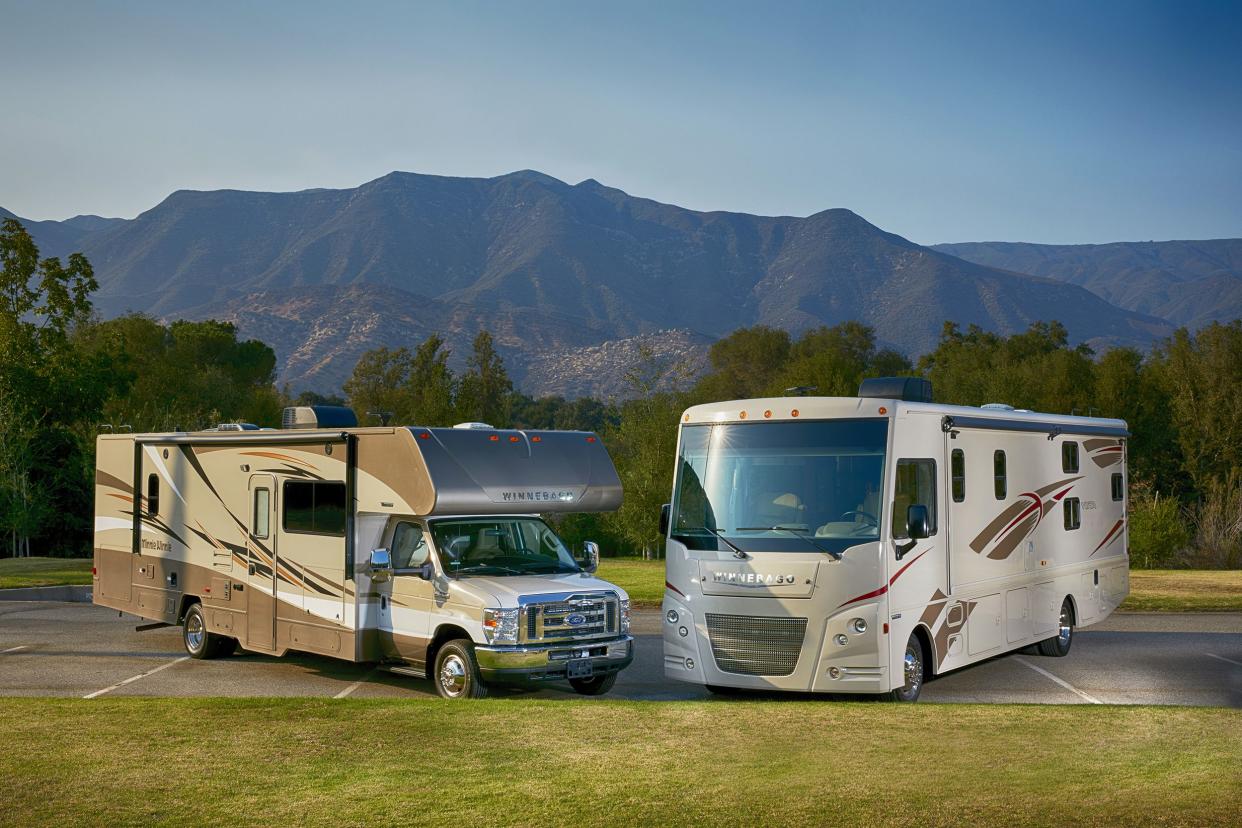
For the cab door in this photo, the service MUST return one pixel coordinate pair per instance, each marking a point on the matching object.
(261, 564)
(407, 601)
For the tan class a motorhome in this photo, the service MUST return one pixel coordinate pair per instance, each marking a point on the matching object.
(420, 548)
(864, 544)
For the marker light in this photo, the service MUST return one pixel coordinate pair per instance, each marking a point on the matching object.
(495, 438)
(590, 439)
(767, 413)
(500, 625)
(883, 410)
(536, 439)
(794, 412)
(742, 416)
(513, 439)
(424, 435)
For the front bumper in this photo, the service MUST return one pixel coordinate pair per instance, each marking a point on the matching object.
(548, 662)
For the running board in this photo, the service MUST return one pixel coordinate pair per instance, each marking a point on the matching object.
(402, 670)
(155, 626)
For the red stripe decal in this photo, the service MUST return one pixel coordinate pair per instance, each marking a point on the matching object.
(1062, 493)
(871, 594)
(1034, 506)
(667, 585)
(1111, 533)
(891, 581)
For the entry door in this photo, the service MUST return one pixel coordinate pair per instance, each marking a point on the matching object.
(261, 549)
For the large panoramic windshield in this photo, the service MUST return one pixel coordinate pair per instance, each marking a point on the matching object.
(500, 546)
(780, 486)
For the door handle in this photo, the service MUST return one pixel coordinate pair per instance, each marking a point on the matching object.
(252, 569)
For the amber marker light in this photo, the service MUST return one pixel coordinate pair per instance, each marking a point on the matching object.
(883, 410)
(536, 439)
(794, 413)
(742, 416)
(513, 439)
(495, 438)
(767, 413)
(590, 439)
(424, 435)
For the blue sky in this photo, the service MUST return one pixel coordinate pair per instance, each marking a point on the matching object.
(1055, 122)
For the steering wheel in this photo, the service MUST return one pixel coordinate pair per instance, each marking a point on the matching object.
(866, 516)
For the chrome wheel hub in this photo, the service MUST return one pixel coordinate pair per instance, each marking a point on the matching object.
(453, 676)
(194, 631)
(1066, 630)
(913, 670)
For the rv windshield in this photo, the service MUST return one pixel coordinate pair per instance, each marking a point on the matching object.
(500, 546)
(774, 487)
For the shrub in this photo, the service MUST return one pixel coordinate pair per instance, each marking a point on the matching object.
(1217, 521)
(1158, 529)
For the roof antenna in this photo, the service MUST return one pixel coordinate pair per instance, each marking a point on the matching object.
(801, 390)
(384, 416)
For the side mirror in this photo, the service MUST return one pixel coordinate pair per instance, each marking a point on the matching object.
(918, 522)
(380, 565)
(590, 556)
(665, 510)
(426, 571)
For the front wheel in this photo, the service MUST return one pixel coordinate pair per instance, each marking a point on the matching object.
(595, 685)
(912, 670)
(198, 642)
(457, 671)
(1059, 645)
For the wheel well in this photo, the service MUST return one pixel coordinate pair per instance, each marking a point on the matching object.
(929, 651)
(187, 601)
(1073, 609)
(448, 632)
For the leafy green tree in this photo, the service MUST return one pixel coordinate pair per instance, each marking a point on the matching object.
(432, 386)
(744, 364)
(380, 386)
(485, 389)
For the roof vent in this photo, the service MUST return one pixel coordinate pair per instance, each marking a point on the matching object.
(474, 426)
(908, 389)
(997, 407)
(318, 416)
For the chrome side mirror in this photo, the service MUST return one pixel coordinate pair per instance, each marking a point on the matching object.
(590, 556)
(380, 565)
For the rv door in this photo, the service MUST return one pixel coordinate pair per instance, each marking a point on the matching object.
(261, 568)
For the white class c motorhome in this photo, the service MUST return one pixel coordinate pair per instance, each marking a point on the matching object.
(420, 548)
(863, 545)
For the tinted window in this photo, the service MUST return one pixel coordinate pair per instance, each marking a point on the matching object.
(1073, 513)
(1069, 457)
(916, 485)
(262, 511)
(153, 494)
(1000, 482)
(1119, 487)
(315, 507)
(409, 547)
(959, 475)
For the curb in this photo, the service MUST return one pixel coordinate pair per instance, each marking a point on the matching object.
(74, 594)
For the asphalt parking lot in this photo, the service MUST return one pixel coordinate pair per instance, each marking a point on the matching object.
(85, 651)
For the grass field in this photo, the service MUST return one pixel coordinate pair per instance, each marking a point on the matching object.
(34, 572)
(1154, 590)
(322, 762)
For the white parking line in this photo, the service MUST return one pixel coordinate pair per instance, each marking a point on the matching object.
(1222, 658)
(132, 679)
(351, 688)
(1059, 681)
(13, 649)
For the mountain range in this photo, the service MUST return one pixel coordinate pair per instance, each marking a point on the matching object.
(570, 279)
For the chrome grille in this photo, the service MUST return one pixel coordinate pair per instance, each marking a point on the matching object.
(548, 621)
(754, 645)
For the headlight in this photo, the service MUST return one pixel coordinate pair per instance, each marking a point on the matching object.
(500, 625)
(625, 615)
(858, 625)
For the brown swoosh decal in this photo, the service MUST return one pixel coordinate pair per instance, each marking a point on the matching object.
(1018, 520)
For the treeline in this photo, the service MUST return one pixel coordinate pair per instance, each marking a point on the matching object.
(63, 374)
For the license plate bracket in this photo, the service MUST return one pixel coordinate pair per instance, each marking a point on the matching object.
(579, 668)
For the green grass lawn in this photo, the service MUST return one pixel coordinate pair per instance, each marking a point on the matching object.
(1154, 590)
(34, 572)
(528, 762)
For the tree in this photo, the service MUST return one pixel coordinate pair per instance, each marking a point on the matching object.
(380, 384)
(744, 363)
(485, 389)
(432, 386)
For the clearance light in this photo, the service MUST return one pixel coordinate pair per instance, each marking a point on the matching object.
(536, 439)
(686, 418)
(742, 416)
(94, 571)
(883, 410)
(794, 413)
(513, 439)
(767, 413)
(495, 438)
(424, 435)
(590, 439)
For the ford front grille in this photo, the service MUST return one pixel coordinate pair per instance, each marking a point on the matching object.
(575, 618)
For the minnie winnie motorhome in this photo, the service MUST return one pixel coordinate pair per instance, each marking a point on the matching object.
(417, 547)
(862, 544)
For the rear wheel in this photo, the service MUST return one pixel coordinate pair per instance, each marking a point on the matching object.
(457, 671)
(1059, 645)
(198, 642)
(595, 685)
(912, 671)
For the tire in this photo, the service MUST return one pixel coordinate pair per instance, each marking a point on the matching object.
(1059, 645)
(912, 669)
(456, 674)
(595, 685)
(198, 642)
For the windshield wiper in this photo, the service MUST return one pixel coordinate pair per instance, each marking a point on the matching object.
(510, 570)
(738, 552)
(801, 533)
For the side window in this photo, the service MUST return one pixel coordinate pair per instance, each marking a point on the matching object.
(1000, 482)
(1073, 513)
(153, 494)
(1119, 487)
(262, 512)
(915, 485)
(409, 547)
(958, 469)
(315, 508)
(1069, 457)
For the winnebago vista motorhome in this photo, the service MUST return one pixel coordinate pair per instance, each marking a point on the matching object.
(861, 545)
(420, 548)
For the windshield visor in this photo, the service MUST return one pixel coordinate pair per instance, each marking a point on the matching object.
(788, 486)
(500, 546)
